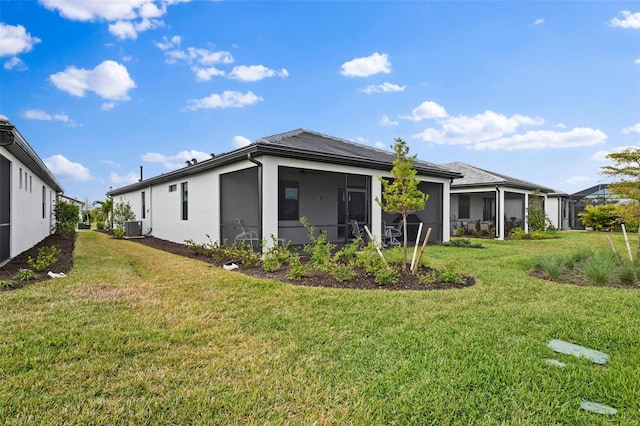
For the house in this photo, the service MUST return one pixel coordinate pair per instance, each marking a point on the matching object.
(28, 192)
(491, 202)
(84, 221)
(593, 196)
(272, 183)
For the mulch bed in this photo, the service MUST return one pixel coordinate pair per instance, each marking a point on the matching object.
(64, 261)
(314, 278)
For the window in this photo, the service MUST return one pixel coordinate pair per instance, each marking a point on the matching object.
(463, 206)
(144, 207)
(185, 200)
(173, 188)
(44, 201)
(25, 181)
(31, 184)
(20, 177)
(288, 200)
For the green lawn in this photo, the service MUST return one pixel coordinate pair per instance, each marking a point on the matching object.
(138, 336)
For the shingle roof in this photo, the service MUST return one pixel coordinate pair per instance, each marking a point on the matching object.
(474, 176)
(341, 150)
(304, 145)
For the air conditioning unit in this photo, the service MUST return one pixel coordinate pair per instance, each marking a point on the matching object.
(133, 229)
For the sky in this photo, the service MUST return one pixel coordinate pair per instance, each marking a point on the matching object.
(540, 91)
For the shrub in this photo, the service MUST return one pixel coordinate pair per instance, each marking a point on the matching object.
(517, 233)
(543, 235)
(25, 275)
(46, 257)
(296, 269)
(6, 285)
(67, 216)
(101, 225)
(386, 275)
(341, 272)
(449, 276)
(462, 242)
(118, 234)
(600, 217)
(122, 212)
(459, 232)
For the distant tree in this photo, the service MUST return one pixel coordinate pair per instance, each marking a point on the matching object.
(66, 215)
(401, 194)
(105, 208)
(537, 218)
(625, 171)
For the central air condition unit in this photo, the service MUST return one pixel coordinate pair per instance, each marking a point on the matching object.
(133, 229)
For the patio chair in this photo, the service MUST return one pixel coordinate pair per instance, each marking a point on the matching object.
(392, 233)
(356, 230)
(245, 235)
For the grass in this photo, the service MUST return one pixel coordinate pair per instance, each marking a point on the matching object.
(137, 336)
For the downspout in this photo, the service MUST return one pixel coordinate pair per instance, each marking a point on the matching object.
(260, 193)
(498, 214)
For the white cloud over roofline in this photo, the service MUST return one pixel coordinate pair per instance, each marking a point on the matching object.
(38, 114)
(62, 167)
(240, 141)
(538, 139)
(426, 110)
(226, 99)
(364, 67)
(176, 161)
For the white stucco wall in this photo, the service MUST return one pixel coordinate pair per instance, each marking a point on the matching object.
(28, 226)
(318, 200)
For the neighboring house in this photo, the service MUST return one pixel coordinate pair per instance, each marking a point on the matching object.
(273, 183)
(559, 208)
(81, 205)
(485, 200)
(595, 195)
(28, 192)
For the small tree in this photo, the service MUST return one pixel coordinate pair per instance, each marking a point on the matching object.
(122, 212)
(537, 218)
(401, 194)
(626, 172)
(66, 215)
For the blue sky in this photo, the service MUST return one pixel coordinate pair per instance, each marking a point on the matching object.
(541, 91)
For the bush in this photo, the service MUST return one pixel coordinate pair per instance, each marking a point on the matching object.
(600, 217)
(517, 233)
(46, 257)
(122, 212)
(67, 216)
(600, 269)
(118, 234)
(296, 269)
(462, 242)
(552, 265)
(100, 225)
(25, 275)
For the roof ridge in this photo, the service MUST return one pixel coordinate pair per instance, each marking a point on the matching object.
(280, 136)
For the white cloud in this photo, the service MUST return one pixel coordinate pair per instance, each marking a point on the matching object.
(385, 121)
(122, 12)
(538, 21)
(464, 130)
(560, 125)
(199, 56)
(15, 63)
(129, 29)
(637, 61)
(577, 179)
(380, 145)
(360, 139)
(205, 74)
(602, 155)
(635, 128)
(62, 167)
(14, 39)
(255, 73)
(167, 43)
(128, 179)
(175, 161)
(383, 88)
(626, 19)
(425, 110)
(240, 141)
(38, 114)
(228, 99)
(108, 106)
(109, 80)
(364, 67)
(539, 139)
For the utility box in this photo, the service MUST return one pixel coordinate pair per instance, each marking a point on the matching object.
(133, 229)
